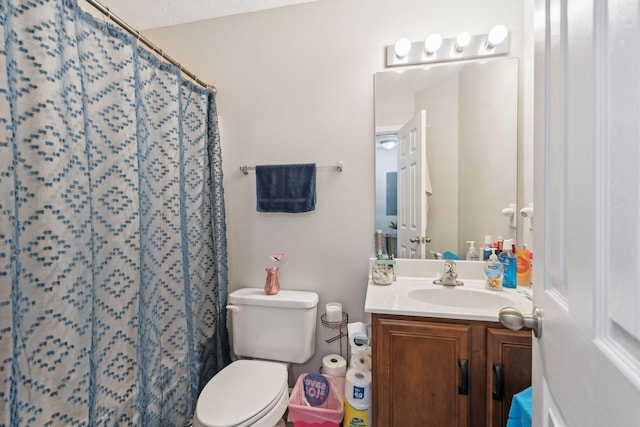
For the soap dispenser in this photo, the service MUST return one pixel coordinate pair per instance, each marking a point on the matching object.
(493, 271)
(472, 253)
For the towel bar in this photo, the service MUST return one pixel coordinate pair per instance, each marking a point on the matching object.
(339, 166)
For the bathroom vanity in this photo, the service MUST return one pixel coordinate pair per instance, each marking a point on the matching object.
(440, 356)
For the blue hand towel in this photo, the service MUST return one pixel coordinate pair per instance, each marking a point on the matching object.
(286, 188)
(520, 411)
(450, 255)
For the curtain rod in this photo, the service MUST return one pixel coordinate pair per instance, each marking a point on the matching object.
(105, 10)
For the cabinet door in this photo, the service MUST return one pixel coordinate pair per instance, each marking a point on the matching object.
(508, 371)
(422, 373)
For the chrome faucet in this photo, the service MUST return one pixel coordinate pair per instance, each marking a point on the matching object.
(449, 277)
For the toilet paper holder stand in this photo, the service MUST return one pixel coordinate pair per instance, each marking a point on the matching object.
(340, 326)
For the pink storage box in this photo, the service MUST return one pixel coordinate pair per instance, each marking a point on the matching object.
(304, 415)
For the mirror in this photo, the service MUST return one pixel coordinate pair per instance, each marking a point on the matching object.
(470, 133)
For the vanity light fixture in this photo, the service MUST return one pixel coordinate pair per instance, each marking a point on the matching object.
(436, 49)
(462, 40)
(433, 43)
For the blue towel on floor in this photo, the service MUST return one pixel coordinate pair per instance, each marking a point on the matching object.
(286, 188)
(520, 411)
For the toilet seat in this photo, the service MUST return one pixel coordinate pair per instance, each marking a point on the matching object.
(242, 394)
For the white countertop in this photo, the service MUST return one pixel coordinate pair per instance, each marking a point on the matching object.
(418, 296)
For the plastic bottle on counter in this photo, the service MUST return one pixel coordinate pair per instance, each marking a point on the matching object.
(486, 250)
(494, 272)
(472, 252)
(508, 259)
(523, 261)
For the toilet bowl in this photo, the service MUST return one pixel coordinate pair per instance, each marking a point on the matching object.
(245, 393)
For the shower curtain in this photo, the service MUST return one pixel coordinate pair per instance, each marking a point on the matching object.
(113, 275)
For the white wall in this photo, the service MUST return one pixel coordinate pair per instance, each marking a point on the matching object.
(392, 111)
(295, 84)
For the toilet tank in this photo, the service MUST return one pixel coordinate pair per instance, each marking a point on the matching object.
(279, 327)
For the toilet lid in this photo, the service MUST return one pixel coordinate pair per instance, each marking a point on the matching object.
(241, 391)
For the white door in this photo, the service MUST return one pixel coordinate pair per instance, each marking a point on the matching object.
(412, 187)
(587, 238)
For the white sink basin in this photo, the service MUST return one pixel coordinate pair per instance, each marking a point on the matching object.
(460, 297)
(418, 296)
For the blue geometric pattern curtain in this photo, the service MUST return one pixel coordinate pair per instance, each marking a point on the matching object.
(113, 273)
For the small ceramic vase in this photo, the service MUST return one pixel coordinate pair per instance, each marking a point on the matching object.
(271, 285)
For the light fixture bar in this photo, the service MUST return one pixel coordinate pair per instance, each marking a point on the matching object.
(477, 48)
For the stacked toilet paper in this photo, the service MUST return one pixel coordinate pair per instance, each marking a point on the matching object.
(359, 346)
(357, 385)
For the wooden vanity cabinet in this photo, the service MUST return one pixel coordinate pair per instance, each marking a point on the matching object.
(439, 372)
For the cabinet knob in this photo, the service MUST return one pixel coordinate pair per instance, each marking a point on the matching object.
(513, 319)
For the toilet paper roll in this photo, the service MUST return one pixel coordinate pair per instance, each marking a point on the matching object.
(334, 365)
(360, 360)
(334, 312)
(358, 335)
(357, 388)
(365, 352)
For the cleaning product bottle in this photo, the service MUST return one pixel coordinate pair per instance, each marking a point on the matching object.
(493, 271)
(498, 244)
(472, 253)
(486, 250)
(508, 259)
(523, 274)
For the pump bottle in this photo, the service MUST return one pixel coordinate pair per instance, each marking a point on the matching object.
(493, 271)
(472, 253)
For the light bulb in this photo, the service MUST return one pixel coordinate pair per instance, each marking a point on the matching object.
(433, 43)
(497, 35)
(402, 47)
(463, 40)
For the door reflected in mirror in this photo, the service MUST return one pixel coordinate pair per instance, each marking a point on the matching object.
(446, 155)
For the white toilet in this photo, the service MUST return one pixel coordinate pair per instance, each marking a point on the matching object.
(269, 332)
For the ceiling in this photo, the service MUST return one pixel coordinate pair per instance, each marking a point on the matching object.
(146, 14)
